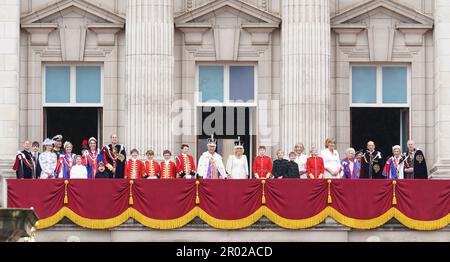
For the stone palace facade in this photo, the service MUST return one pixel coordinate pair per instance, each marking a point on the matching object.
(154, 72)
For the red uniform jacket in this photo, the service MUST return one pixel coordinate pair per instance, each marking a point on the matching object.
(262, 166)
(134, 169)
(151, 169)
(168, 171)
(315, 166)
(185, 164)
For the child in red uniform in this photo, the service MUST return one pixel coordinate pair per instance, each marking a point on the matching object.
(314, 165)
(185, 163)
(262, 165)
(134, 169)
(152, 170)
(168, 168)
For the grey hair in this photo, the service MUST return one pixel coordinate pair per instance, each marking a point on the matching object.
(350, 150)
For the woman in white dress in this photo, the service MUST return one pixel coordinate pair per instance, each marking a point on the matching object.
(237, 166)
(300, 159)
(331, 159)
(48, 160)
(80, 171)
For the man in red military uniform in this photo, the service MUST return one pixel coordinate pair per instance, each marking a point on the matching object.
(168, 168)
(262, 165)
(185, 163)
(134, 169)
(152, 170)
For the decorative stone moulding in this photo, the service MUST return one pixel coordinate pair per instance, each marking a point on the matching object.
(348, 33)
(39, 32)
(193, 32)
(260, 32)
(413, 33)
(106, 33)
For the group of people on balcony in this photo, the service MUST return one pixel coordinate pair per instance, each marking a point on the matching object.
(58, 161)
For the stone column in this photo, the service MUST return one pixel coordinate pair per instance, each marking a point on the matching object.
(305, 94)
(441, 169)
(9, 78)
(149, 75)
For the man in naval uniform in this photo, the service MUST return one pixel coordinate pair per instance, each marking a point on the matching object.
(58, 149)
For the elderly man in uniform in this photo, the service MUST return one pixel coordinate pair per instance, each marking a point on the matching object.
(415, 164)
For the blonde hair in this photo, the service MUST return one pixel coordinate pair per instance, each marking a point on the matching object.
(66, 144)
(329, 140)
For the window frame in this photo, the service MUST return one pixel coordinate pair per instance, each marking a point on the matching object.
(73, 85)
(226, 86)
(379, 85)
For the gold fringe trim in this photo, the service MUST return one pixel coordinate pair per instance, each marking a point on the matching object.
(361, 223)
(82, 221)
(52, 220)
(295, 223)
(164, 224)
(425, 225)
(98, 223)
(231, 224)
(244, 222)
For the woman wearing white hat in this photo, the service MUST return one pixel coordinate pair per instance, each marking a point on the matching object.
(48, 160)
(237, 166)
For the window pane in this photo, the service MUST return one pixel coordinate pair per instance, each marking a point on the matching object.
(211, 83)
(242, 83)
(88, 84)
(395, 85)
(57, 84)
(364, 85)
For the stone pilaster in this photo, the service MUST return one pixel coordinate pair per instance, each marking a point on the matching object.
(442, 90)
(9, 78)
(149, 74)
(305, 73)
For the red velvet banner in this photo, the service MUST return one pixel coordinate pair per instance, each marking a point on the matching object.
(45, 196)
(161, 199)
(296, 199)
(231, 199)
(361, 199)
(102, 199)
(233, 204)
(423, 201)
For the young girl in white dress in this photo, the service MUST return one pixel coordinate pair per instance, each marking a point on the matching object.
(78, 170)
